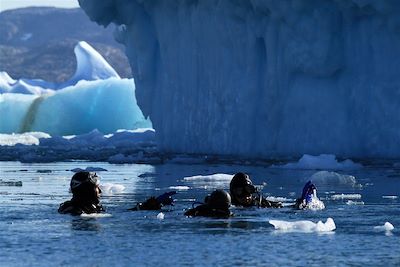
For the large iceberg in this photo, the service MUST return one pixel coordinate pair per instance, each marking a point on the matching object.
(264, 78)
(94, 98)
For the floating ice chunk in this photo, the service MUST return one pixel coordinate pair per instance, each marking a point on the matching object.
(212, 177)
(390, 197)
(323, 161)
(179, 187)
(332, 178)
(210, 181)
(280, 199)
(109, 188)
(31, 138)
(96, 215)
(345, 196)
(386, 227)
(160, 216)
(304, 226)
(350, 202)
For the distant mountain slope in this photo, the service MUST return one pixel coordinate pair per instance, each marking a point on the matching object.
(38, 42)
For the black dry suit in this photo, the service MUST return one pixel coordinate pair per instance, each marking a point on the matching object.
(216, 206)
(156, 203)
(245, 194)
(85, 195)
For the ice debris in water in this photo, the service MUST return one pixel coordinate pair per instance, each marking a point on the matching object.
(350, 202)
(179, 187)
(332, 178)
(345, 196)
(109, 188)
(95, 215)
(386, 227)
(10, 183)
(212, 177)
(160, 216)
(390, 197)
(304, 226)
(323, 161)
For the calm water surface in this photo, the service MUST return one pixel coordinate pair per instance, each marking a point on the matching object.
(34, 234)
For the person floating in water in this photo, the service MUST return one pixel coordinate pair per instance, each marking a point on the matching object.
(85, 195)
(156, 203)
(309, 199)
(245, 194)
(216, 206)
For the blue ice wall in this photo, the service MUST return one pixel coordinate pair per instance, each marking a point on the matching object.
(264, 78)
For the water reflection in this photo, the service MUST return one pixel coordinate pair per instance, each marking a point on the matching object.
(85, 224)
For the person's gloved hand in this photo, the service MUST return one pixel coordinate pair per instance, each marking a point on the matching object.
(166, 198)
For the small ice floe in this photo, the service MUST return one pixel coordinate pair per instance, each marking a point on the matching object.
(109, 188)
(345, 196)
(323, 161)
(179, 187)
(390, 197)
(304, 226)
(96, 215)
(89, 169)
(210, 181)
(211, 177)
(351, 202)
(386, 227)
(160, 216)
(10, 183)
(333, 178)
(279, 199)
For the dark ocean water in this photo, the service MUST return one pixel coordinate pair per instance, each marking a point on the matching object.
(34, 234)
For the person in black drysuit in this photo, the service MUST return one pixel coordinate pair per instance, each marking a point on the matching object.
(216, 206)
(85, 195)
(156, 203)
(245, 194)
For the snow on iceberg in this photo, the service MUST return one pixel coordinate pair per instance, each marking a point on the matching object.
(264, 78)
(323, 161)
(94, 98)
(304, 226)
